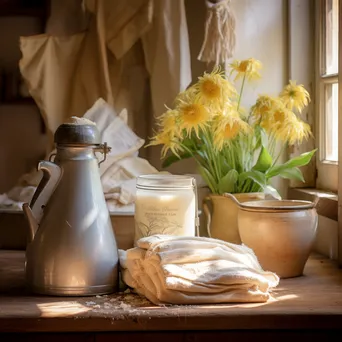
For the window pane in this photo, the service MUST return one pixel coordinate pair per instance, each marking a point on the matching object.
(331, 122)
(331, 37)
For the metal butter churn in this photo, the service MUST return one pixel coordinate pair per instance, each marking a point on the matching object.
(72, 249)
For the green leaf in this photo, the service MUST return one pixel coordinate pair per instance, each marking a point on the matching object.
(202, 154)
(298, 161)
(260, 179)
(188, 142)
(208, 178)
(256, 176)
(224, 165)
(264, 161)
(173, 158)
(269, 189)
(293, 173)
(228, 182)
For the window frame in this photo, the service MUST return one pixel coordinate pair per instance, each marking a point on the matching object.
(327, 171)
(339, 134)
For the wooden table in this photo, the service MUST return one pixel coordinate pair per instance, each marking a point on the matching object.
(304, 307)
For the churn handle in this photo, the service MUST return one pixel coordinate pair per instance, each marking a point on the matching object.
(52, 174)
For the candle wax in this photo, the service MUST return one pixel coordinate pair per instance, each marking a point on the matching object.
(170, 212)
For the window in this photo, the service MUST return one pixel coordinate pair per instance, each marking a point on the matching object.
(327, 93)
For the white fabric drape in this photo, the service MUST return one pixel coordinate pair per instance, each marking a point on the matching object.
(133, 54)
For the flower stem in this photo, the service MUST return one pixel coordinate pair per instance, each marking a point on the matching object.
(241, 90)
(189, 151)
(211, 152)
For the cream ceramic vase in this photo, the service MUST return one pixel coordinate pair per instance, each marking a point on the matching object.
(221, 215)
(280, 232)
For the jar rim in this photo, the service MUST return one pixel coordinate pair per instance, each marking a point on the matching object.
(163, 180)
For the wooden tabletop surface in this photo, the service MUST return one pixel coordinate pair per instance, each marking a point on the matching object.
(313, 301)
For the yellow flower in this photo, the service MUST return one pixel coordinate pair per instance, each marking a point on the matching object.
(277, 118)
(248, 68)
(227, 127)
(295, 96)
(193, 117)
(169, 122)
(295, 131)
(213, 89)
(210, 89)
(168, 141)
(263, 106)
(285, 126)
(300, 132)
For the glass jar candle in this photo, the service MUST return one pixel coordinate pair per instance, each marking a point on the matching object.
(165, 204)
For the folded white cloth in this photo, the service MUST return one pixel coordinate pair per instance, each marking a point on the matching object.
(195, 270)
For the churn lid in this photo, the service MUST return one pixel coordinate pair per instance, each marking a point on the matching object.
(79, 131)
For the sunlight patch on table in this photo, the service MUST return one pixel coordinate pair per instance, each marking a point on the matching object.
(61, 309)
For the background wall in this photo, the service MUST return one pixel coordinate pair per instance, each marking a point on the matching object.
(22, 141)
(262, 34)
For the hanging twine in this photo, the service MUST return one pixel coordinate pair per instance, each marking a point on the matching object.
(219, 38)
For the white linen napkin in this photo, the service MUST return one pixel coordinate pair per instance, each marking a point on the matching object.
(195, 270)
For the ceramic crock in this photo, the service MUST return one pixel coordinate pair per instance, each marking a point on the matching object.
(221, 215)
(280, 232)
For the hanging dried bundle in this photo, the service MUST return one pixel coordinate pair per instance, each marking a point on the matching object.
(219, 37)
